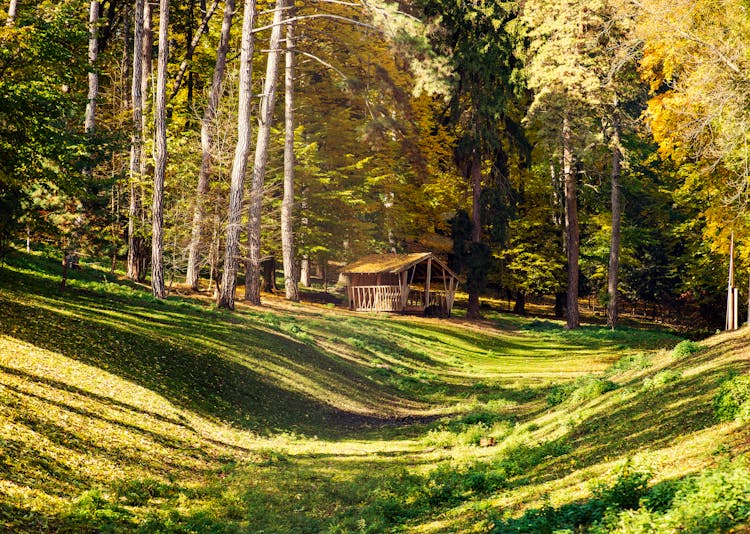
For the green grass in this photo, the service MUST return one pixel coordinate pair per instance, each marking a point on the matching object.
(119, 412)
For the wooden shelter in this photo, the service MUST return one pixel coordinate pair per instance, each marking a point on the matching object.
(416, 283)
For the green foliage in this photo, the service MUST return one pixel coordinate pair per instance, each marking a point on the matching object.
(470, 429)
(685, 348)
(582, 389)
(732, 401)
(140, 492)
(662, 378)
(624, 494)
(638, 361)
(714, 501)
(93, 512)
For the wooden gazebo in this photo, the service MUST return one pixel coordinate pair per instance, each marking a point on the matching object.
(416, 283)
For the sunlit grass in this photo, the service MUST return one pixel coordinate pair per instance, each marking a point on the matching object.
(120, 412)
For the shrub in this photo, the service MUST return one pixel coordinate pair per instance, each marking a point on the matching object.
(733, 399)
(661, 378)
(602, 508)
(714, 501)
(92, 512)
(583, 389)
(685, 348)
(637, 361)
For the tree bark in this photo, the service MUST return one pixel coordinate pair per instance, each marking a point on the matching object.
(12, 8)
(207, 144)
(571, 225)
(134, 208)
(475, 172)
(90, 119)
(265, 117)
(287, 203)
(225, 297)
(614, 247)
(160, 155)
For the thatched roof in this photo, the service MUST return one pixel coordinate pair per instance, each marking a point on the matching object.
(390, 263)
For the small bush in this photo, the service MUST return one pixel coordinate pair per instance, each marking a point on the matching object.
(661, 378)
(629, 362)
(139, 492)
(92, 512)
(685, 348)
(583, 389)
(733, 399)
(625, 493)
(714, 501)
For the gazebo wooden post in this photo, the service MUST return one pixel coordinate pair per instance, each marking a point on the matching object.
(404, 289)
(427, 283)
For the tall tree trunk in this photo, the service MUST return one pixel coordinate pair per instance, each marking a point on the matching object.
(287, 203)
(614, 247)
(225, 297)
(90, 120)
(160, 155)
(571, 225)
(472, 310)
(134, 208)
(207, 145)
(265, 117)
(12, 8)
(147, 163)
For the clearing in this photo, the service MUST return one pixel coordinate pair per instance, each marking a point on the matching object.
(119, 412)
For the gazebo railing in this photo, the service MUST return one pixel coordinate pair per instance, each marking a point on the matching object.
(375, 298)
(437, 298)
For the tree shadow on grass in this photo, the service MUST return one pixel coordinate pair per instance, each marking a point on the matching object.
(197, 377)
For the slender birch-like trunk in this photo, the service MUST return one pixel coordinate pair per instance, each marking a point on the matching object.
(287, 203)
(12, 8)
(136, 142)
(571, 225)
(226, 293)
(614, 247)
(265, 117)
(160, 155)
(90, 119)
(207, 144)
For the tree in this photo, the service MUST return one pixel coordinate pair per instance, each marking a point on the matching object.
(565, 67)
(287, 204)
(207, 124)
(160, 155)
(696, 58)
(265, 118)
(141, 67)
(93, 77)
(225, 297)
(486, 105)
(41, 149)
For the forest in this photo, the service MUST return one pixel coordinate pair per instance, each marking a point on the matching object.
(567, 150)
(186, 185)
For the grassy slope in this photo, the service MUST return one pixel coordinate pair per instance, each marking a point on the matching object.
(120, 411)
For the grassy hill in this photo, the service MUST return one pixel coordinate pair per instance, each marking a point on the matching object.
(119, 412)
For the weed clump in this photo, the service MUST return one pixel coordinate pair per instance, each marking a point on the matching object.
(715, 501)
(661, 378)
(582, 389)
(469, 430)
(639, 361)
(685, 348)
(733, 399)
